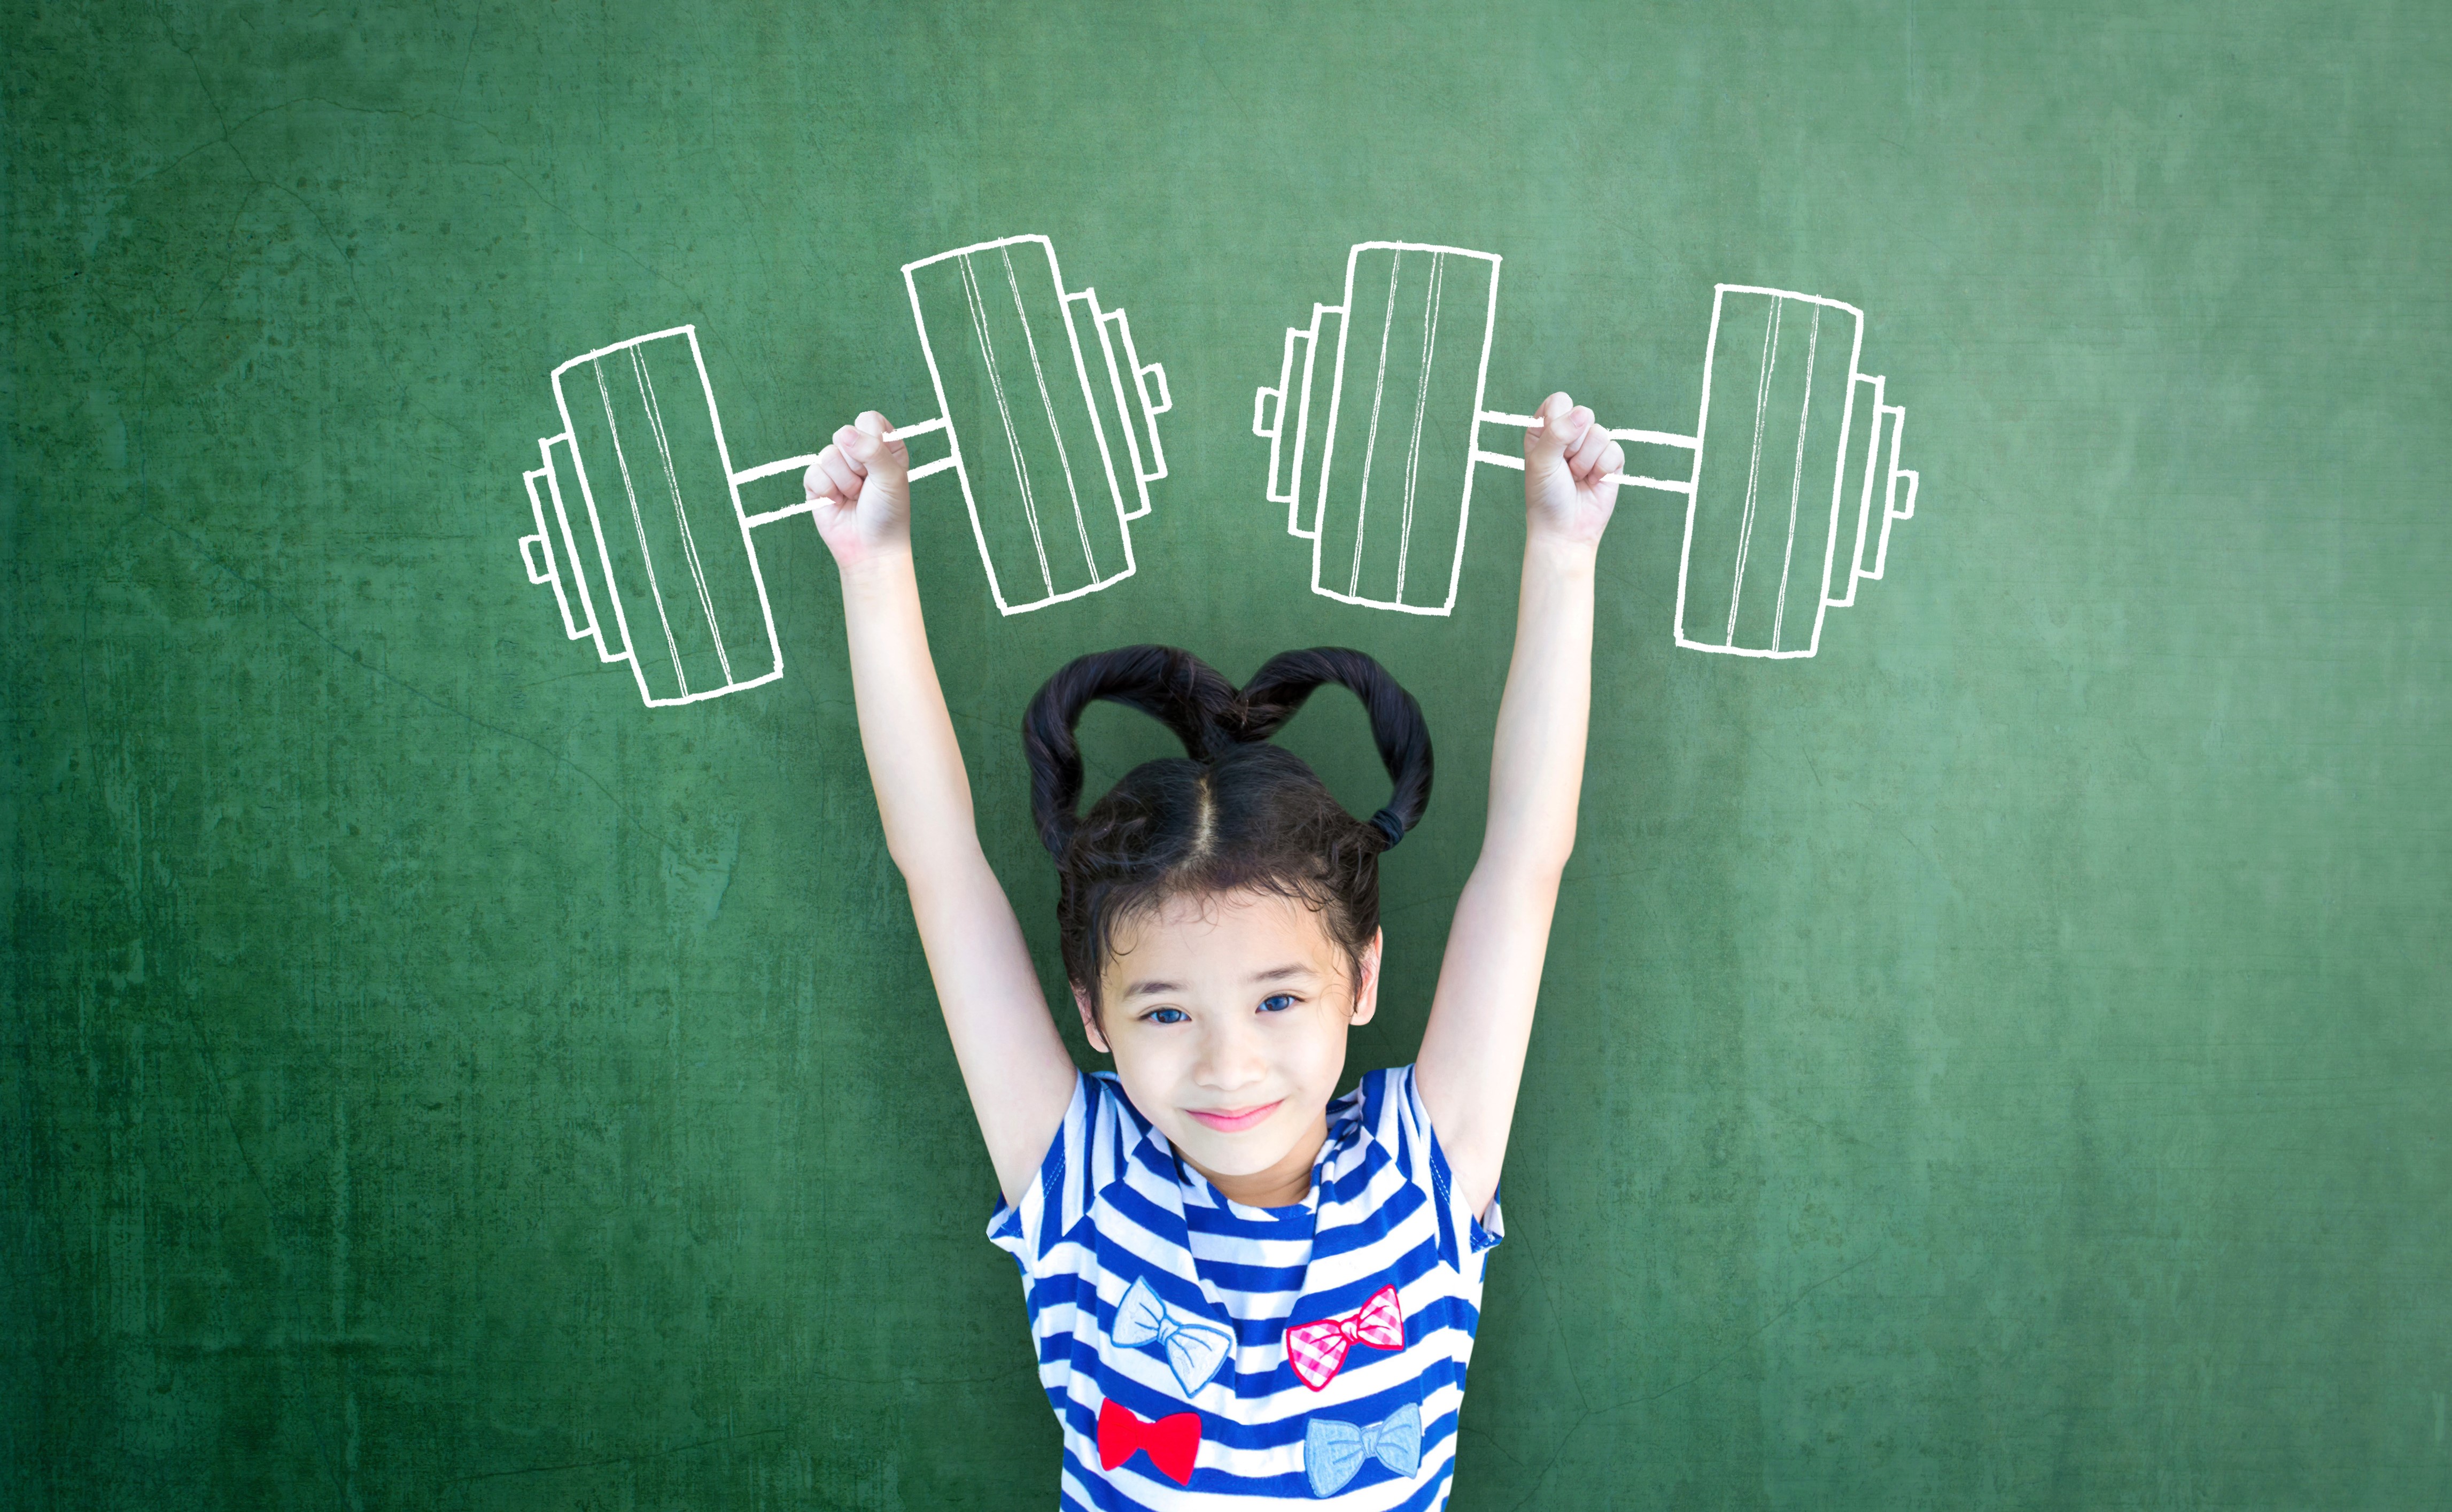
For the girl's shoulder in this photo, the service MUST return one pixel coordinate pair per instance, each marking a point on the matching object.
(1387, 1120)
(1101, 1103)
(1382, 1103)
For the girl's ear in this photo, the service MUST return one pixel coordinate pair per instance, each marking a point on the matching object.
(1089, 1021)
(1366, 991)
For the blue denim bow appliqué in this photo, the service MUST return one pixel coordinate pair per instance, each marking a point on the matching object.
(1194, 1348)
(1334, 1452)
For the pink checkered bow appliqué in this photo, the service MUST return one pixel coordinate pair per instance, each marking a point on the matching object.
(1316, 1350)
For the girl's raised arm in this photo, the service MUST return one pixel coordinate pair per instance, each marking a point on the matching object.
(1013, 1062)
(1481, 1020)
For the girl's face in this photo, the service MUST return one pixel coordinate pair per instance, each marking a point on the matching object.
(1227, 1018)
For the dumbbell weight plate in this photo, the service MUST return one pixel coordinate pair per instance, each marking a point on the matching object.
(1013, 358)
(1779, 382)
(1377, 447)
(672, 565)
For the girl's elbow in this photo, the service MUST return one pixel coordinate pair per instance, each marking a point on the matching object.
(932, 859)
(1532, 854)
(1561, 848)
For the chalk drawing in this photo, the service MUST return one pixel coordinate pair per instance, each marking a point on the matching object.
(1414, 324)
(1051, 524)
(638, 507)
(1820, 426)
(674, 587)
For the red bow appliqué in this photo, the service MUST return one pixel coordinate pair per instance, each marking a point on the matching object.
(1173, 1442)
(1316, 1350)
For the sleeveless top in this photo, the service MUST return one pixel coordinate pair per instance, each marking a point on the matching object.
(1205, 1354)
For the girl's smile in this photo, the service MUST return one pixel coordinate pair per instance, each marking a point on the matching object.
(1230, 1123)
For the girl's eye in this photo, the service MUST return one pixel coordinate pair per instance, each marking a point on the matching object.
(1166, 1016)
(1276, 1002)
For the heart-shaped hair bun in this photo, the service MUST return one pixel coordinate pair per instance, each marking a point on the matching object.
(1236, 814)
(1209, 715)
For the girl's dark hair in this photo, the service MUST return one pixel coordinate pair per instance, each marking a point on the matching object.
(1233, 813)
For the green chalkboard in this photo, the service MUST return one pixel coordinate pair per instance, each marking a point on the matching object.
(2000, 1059)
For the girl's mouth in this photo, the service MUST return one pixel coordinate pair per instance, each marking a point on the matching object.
(1229, 1122)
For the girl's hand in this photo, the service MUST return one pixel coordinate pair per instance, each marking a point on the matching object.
(861, 487)
(1567, 463)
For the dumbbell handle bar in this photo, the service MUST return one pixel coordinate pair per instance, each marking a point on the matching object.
(805, 464)
(538, 555)
(1143, 376)
(1658, 438)
(1268, 419)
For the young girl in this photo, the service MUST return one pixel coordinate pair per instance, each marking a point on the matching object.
(1240, 1290)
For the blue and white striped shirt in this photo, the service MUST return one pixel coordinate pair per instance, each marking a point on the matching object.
(1159, 1306)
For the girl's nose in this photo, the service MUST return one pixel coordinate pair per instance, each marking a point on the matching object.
(1230, 1059)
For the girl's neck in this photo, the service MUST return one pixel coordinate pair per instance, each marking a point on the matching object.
(1283, 1185)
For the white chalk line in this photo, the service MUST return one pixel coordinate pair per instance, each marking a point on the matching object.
(804, 462)
(639, 524)
(1796, 479)
(1152, 406)
(1663, 438)
(561, 521)
(1004, 414)
(807, 460)
(1145, 377)
(1063, 458)
(681, 513)
(1754, 473)
(1421, 398)
(1370, 441)
(1873, 386)
(1088, 298)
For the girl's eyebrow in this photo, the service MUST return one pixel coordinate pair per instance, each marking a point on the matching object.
(1142, 989)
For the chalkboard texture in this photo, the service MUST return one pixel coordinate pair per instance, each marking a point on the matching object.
(2000, 1060)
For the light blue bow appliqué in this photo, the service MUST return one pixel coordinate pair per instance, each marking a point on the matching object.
(1194, 1348)
(1332, 1451)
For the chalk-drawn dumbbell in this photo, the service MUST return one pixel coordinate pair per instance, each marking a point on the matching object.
(1797, 499)
(644, 536)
